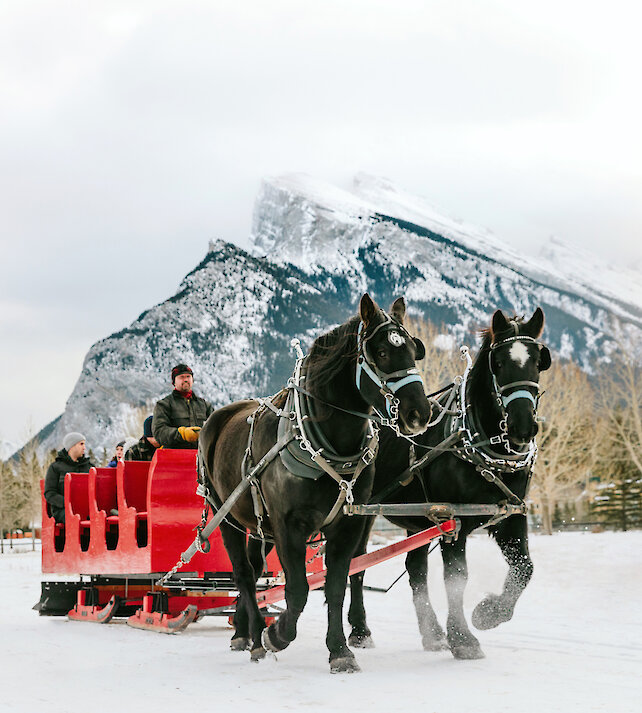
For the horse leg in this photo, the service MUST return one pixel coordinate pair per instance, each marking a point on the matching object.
(248, 621)
(512, 538)
(361, 636)
(291, 547)
(255, 555)
(337, 560)
(432, 635)
(462, 642)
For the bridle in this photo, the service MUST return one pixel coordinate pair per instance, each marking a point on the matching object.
(388, 382)
(521, 393)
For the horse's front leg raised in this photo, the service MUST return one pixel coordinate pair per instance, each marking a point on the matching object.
(361, 636)
(338, 554)
(463, 644)
(432, 635)
(291, 548)
(512, 538)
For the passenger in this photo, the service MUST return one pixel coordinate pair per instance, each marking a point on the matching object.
(71, 459)
(117, 456)
(178, 417)
(146, 447)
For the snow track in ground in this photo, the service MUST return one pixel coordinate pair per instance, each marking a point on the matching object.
(575, 644)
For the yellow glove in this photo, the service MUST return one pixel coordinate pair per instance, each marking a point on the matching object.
(189, 433)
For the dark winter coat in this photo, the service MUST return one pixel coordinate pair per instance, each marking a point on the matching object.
(143, 450)
(55, 481)
(174, 411)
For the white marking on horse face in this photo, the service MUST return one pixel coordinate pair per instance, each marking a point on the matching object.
(396, 339)
(519, 353)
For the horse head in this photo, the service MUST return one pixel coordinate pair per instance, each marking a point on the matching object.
(515, 360)
(387, 376)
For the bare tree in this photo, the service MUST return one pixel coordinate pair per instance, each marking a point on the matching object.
(29, 471)
(13, 499)
(566, 438)
(5, 505)
(441, 362)
(620, 400)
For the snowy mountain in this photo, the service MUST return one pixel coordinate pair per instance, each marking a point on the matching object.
(315, 249)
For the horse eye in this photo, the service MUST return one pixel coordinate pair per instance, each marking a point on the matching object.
(382, 353)
(498, 365)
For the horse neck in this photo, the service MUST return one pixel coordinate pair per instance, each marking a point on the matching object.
(481, 397)
(344, 431)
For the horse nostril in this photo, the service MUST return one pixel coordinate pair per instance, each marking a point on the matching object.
(415, 419)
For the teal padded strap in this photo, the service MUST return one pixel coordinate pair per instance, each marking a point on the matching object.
(521, 394)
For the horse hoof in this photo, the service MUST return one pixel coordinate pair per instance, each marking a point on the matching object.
(435, 644)
(269, 644)
(490, 613)
(257, 654)
(344, 664)
(361, 641)
(467, 653)
(240, 643)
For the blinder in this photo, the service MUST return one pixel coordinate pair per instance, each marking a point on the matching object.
(421, 349)
(544, 358)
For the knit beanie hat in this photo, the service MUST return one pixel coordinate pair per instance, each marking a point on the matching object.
(147, 427)
(70, 440)
(181, 369)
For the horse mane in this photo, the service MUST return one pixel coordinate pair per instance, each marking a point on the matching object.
(331, 352)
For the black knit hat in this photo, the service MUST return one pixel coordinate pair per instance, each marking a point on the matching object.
(180, 369)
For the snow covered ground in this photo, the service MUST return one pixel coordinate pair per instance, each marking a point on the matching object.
(573, 645)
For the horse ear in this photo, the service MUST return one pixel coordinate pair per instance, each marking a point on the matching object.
(398, 309)
(367, 309)
(498, 324)
(535, 324)
(544, 359)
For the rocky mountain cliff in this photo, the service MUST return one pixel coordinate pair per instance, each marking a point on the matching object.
(315, 249)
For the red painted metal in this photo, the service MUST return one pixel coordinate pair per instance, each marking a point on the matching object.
(92, 613)
(163, 623)
(358, 564)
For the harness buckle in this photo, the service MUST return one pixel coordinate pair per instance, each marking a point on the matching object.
(488, 474)
(368, 456)
(495, 440)
(346, 486)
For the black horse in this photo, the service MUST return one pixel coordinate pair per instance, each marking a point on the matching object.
(490, 461)
(367, 362)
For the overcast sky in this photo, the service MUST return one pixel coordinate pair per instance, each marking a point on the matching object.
(131, 133)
